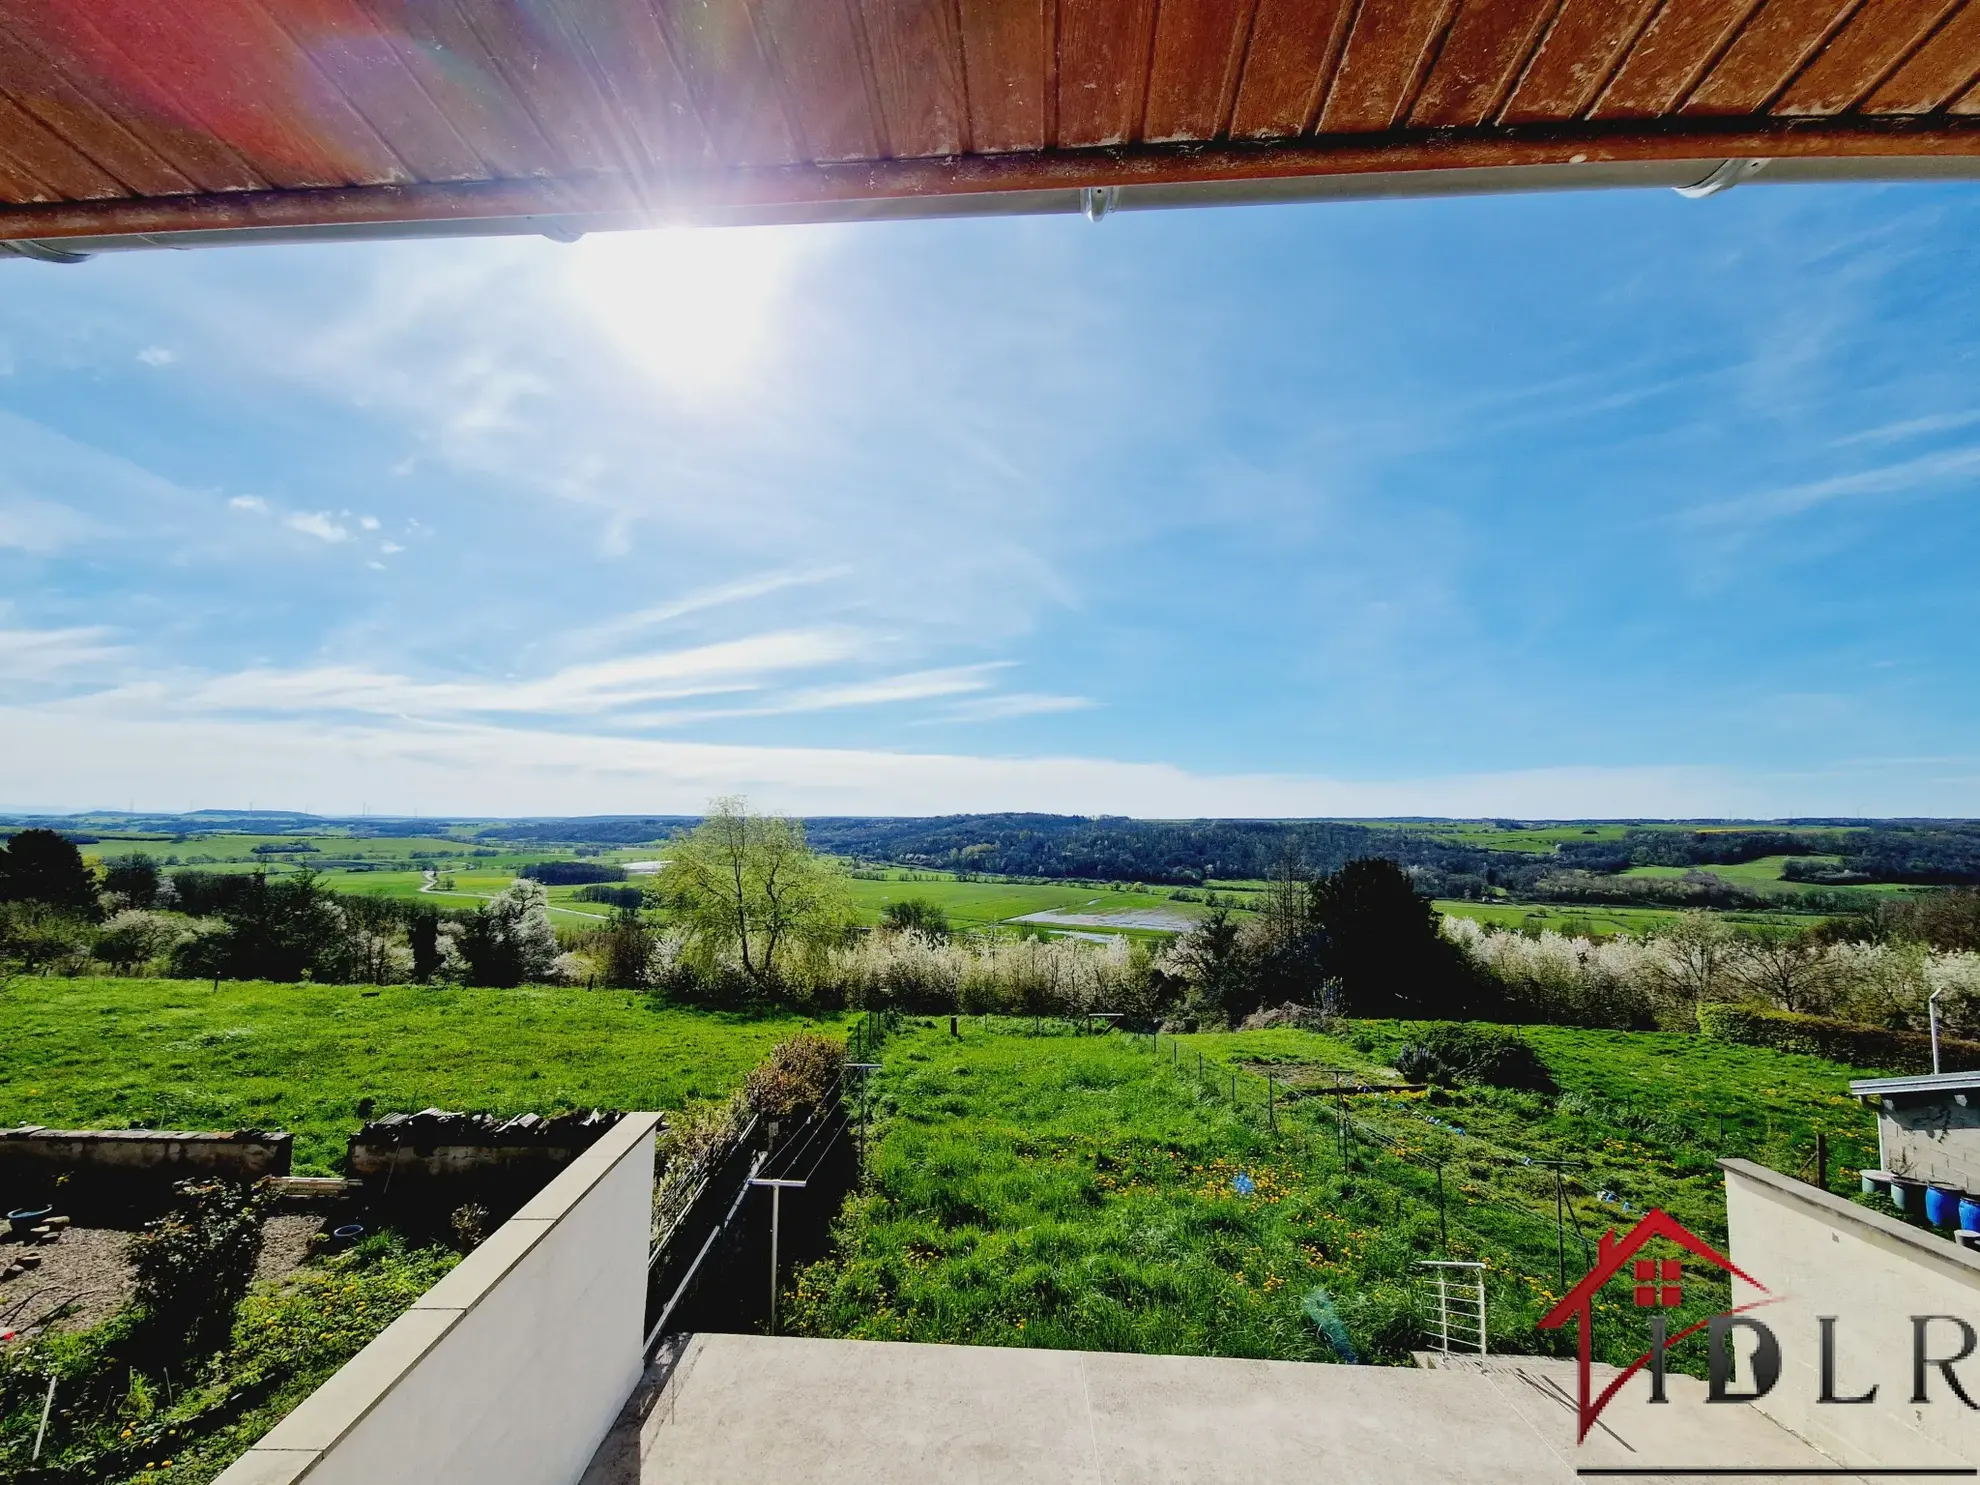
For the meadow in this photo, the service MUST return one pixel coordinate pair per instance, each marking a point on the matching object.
(178, 1054)
(1764, 875)
(1103, 1193)
(980, 904)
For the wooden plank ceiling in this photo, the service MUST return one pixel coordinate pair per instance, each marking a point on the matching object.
(147, 116)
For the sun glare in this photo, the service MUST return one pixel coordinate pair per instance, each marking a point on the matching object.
(696, 308)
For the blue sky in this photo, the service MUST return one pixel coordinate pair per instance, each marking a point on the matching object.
(1562, 505)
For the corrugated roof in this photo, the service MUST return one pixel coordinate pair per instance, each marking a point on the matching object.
(154, 117)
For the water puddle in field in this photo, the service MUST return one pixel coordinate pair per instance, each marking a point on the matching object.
(1127, 918)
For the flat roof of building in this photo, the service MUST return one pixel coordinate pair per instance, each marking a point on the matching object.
(739, 1409)
(1952, 1082)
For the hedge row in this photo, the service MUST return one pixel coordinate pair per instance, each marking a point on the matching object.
(1868, 1047)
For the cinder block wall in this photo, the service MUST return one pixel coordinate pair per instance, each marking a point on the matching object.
(1934, 1140)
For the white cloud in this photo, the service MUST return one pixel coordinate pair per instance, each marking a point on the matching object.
(317, 524)
(157, 355)
(42, 526)
(369, 523)
(1905, 477)
(249, 502)
(1015, 704)
(63, 752)
(390, 548)
(595, 688)
(758, 585)
(54, 654)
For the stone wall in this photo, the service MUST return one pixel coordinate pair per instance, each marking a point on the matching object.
(99, 1167)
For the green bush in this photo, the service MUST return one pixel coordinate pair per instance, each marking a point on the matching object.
(1869, 1047)
(194, 1264)
(1451, 1051)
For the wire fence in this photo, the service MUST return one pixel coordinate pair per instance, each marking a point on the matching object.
(1439, 1167)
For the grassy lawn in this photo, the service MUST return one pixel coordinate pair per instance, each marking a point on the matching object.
(1084, 1192)
(176, 1054)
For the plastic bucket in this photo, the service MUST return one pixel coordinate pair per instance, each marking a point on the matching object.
(1875, 1182)
(1908, 1196)
(1969, 1214)
(1941, 1206)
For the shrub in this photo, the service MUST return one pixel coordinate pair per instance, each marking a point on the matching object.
(797, 1077)
(194, 1264)
(134, 937)
(1469, 1053)
(1870, 1047)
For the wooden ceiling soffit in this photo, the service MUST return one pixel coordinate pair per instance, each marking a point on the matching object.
(122, 117)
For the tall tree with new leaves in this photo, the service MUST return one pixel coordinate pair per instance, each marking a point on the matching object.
(748, 885)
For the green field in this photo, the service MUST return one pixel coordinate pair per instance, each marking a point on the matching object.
(469, 890)
(176, 1054)
(1764, 875)
(1582, 920)
(979, 904)
(1083, 1193)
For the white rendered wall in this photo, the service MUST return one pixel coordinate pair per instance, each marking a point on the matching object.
(512, 1368)
(1823, 1255)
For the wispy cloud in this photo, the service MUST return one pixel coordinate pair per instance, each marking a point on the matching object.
(43, 527)
(317, 524)
(1926, 474)
(596, 688)
(758, 585)
(1908, 428)
(54, 654)
(1014, 704)
(157, 355)
(252, 503)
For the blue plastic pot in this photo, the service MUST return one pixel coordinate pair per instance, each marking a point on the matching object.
(1969, 1214)
(1941, 1206)
(1908, 1196)
(23, 1219)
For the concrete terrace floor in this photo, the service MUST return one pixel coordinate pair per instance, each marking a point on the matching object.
(734, 1408)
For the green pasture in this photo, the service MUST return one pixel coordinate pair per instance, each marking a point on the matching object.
(1764, 875)
(1084, 1192)
(470, 889)
(977, 904)
(177, 1054)
(1585, 920)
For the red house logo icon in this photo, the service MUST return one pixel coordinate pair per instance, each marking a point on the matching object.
(1658, 1285)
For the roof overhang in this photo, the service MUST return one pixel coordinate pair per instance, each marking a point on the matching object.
(139, 123)
(1922, 1088)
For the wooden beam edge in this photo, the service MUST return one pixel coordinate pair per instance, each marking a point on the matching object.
(679, 197)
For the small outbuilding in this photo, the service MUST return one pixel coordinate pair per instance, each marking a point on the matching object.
(1928, 1127)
